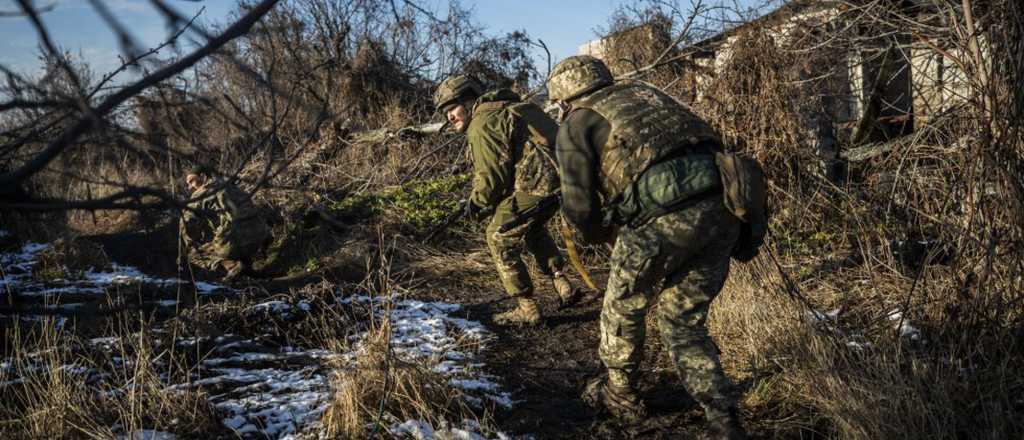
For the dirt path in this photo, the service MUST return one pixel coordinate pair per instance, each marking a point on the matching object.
(546, 367)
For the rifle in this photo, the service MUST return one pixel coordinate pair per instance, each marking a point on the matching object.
(541, 207)
(453, 217)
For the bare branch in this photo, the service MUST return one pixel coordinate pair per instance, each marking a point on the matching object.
(13, 179)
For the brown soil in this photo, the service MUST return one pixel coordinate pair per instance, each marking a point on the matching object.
(544, 367)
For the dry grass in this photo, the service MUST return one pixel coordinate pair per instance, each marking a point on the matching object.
(65, 392)
(379, 389)
(912, 231)
(955, 186)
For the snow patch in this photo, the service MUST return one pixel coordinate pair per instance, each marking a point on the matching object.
(147, 434)
(427, 332)
(272, 403)
(17, 275)
(903, 326)
(420, 430)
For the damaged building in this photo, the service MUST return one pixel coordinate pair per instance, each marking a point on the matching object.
(874, 82)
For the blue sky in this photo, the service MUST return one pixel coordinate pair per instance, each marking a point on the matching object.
(562, 24)
(75, 26)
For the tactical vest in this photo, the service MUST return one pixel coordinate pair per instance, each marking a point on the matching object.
(533, 144)
(646, 126)
(658, 156)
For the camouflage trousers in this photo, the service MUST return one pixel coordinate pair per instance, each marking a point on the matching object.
(681, 260)
(506, 249)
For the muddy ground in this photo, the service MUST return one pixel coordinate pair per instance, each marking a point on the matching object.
(544, 367)
(547, 366)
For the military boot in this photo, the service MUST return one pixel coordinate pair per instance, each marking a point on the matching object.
(723, 425)
(622, 402)
(567, 295)
(526, 313)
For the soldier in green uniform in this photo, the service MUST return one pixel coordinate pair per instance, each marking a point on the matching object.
(222, 228)
(511, 144)
(634, 159)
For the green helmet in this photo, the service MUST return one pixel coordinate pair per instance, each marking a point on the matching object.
(577, 75)
(454, 88)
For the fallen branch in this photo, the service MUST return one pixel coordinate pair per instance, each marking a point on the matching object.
(383, 134)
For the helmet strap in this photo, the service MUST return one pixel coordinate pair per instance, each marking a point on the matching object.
(563, 110)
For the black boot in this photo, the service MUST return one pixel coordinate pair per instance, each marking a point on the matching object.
(724, 424)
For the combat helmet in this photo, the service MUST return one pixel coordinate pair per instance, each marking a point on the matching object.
(577, 75)
(454, 88)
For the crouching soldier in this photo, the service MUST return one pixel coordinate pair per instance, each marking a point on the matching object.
(221, 228)
(633, 158)
(511, 145)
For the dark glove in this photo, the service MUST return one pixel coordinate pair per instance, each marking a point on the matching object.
(470, 210)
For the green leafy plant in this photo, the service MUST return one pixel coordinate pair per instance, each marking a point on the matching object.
(426, 203)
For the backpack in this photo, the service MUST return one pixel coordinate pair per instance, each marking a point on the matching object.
(744, 192)
(536, 171)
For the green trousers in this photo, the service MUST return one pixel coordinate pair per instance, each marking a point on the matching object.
(680, 260)
(507, 247)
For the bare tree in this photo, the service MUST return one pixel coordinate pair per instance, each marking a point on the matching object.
(54, 116)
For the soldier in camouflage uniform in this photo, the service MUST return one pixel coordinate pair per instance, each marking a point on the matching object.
(222, 228)
(511, 144)
(633, 158)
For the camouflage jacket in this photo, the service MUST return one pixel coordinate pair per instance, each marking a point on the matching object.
(214, 216)
(610, 138)
(511, 145)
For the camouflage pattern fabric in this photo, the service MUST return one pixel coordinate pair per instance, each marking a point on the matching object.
(686, 253)
(577, 75)
(647, 125)
(506, 248)
(224, 227)
(535, 170)
(453, 88)
(511, 146)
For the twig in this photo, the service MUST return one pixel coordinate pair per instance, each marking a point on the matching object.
(85, 124)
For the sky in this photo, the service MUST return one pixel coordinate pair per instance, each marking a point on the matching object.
(75, 26)
(563, 25)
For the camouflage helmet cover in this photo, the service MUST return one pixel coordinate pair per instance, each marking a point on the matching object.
(577, 75)
(454, 88)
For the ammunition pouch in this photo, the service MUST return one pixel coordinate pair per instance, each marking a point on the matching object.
(667, 186)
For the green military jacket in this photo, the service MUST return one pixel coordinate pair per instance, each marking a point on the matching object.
(511, 144)
(227, 215)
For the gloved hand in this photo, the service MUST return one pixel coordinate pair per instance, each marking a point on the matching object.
(470, 210)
